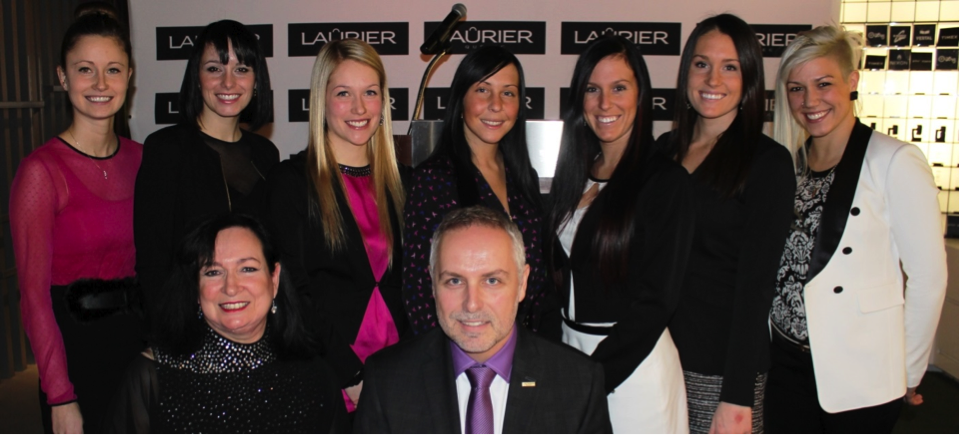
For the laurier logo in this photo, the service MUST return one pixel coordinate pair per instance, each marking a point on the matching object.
(520, 37)
(166, 108)
(774, 38)
(177, 43)
(306, 39)
(653, 38)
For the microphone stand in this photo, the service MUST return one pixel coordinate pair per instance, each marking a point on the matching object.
(423, 85)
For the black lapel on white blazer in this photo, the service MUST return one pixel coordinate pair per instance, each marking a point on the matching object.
(839, 203)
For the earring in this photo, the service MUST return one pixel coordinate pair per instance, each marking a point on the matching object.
(273, 309)
(254, 92)
(854, 95)
(688, 105)
(381, 119)
(199, 312)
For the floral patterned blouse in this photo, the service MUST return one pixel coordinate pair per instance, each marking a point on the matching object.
(789, 314)
(434, 194)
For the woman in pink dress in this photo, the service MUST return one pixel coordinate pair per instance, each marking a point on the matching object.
(335, 209)
(71, 216)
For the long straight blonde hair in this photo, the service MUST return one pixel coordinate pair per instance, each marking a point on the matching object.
(824, 41)
(322, 168)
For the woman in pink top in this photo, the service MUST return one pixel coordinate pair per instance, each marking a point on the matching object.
(71, 210)
(335, 209)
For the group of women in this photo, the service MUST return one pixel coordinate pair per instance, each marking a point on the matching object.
(660, 259)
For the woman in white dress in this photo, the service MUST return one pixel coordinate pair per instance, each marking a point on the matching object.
(623, 217)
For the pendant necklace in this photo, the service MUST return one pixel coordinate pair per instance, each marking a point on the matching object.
(92, 159)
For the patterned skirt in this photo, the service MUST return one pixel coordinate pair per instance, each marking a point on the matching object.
(703, 396)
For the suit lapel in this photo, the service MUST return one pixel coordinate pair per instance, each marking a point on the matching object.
(523, 394)
(839, 199)
(436, 373)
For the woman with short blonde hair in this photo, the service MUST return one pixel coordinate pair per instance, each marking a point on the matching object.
(850, 337)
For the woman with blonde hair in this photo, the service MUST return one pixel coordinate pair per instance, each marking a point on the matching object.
(850, 338)
(336, 207)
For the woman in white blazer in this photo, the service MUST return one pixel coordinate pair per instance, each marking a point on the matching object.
(850, 340)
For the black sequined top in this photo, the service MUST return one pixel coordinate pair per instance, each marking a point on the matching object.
(227, 387)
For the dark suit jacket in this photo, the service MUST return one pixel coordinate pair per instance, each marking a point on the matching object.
(410, 388)
(336, 285)
(180, 183)
(644, 301)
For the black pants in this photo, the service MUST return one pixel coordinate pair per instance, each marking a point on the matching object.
(792, 405)
(98, 354)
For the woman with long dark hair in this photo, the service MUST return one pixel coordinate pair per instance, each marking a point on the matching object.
(71, 220)
(206, 164)
(622, 220)
(851, 337)
(742, 186)
(481, 158)
(336, 209)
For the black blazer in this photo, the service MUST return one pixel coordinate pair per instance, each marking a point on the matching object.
(180, 184)
(410, 388)
(336, 285)
(643, 303)
(720, 326)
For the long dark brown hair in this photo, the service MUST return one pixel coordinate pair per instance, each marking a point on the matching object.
(580, 146)
(726, 167)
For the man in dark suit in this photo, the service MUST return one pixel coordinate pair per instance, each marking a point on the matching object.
(480, 373)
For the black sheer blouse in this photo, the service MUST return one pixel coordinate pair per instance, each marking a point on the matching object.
(227, 387)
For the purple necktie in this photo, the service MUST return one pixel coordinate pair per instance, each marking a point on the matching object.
(480, 408)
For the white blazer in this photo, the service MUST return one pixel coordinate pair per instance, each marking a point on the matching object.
(869, 337)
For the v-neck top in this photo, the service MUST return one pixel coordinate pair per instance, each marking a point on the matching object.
(377, 330)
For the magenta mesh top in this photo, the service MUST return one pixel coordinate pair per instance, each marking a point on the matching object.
(377, 330)
(71, 217)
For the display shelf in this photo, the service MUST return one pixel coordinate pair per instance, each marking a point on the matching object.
(909, 80)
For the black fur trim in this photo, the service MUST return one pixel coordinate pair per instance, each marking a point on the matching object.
(89, 300)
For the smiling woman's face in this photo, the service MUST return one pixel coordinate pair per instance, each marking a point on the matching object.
(237, 290)
(491, 106)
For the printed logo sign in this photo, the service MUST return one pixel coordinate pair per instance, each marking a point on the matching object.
(923, 34)
(654, 39)
(900, 36)
(663, 101)
(899, 60)
(520, 37)
(774, 38)
(177, 43)
(947, 59)
(166, 108)
(435, 103)
(769, 105)
(948, 37)
(877, 36)
(298, 104)
(875, 62)
(921, 61)
(306, 39)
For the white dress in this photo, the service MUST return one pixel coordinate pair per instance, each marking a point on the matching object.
(654, 398)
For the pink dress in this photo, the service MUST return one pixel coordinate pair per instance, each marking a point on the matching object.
(377, 330)
(71, 217)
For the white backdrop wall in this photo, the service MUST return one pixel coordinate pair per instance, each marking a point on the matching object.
(294, 30)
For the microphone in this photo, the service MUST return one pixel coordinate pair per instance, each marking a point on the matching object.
(441, 35)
